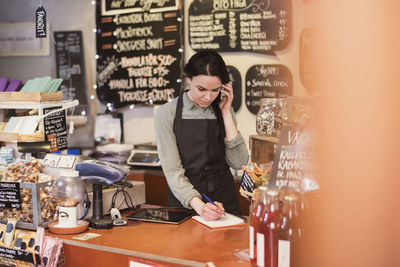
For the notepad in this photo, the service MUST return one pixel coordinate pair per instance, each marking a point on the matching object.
(226, 220)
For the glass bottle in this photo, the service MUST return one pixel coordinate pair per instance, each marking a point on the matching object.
(290, 231)
(265, 119)
(258, 209)
(267, 237)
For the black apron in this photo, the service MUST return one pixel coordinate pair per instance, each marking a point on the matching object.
(202, 151)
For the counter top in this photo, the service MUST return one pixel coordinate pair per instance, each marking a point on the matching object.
(189, 243)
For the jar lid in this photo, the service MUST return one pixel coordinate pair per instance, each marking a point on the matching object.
(69, 173)
(272, 192)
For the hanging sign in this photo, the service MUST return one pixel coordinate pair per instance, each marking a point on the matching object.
(41, 28)
(264, 81)
(261, 26)
(139, 52)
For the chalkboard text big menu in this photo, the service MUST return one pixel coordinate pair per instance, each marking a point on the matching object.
(261, 26)
(139, 51)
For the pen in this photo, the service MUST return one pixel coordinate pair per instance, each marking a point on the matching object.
(209, 200)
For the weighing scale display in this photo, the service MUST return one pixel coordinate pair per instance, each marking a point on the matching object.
(144, 158)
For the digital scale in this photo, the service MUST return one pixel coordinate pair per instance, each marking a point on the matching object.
(144, 155)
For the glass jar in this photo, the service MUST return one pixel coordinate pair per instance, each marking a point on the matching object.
(270, 116)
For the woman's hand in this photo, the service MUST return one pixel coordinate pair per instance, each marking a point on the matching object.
(211, 212)
(207, 211)
(226, 101)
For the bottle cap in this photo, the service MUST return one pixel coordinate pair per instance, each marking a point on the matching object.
(69, 173)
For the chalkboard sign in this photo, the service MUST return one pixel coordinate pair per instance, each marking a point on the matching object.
(261, 26)
(9, 195)
(55, 129)
(19, 255)
(264, 81)
(236, 80)
(139, 51)
(71, 67)
(306, 58)
(294, 158)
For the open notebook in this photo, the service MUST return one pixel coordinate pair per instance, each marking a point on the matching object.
(226, 220)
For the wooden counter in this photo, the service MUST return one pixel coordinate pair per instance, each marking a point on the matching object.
(187, 244)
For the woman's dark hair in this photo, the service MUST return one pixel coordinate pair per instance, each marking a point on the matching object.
(207, 63)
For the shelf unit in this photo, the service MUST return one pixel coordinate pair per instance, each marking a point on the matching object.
(38, 136)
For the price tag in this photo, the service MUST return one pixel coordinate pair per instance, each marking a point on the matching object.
(66, 162)
(51, 160)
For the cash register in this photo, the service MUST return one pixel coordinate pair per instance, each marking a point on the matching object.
(145, 155)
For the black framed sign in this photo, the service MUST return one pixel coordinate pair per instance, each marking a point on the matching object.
(306, 58)
(71, 67)
(294, 159)
(139, 51)
(264, 81)
(261, 26)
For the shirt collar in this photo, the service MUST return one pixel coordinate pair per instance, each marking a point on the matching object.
(187, 102)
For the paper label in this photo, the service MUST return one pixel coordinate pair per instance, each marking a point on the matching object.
(86, 236)
(260, 250)
(283, 253)
(66, 162)
(251, 238)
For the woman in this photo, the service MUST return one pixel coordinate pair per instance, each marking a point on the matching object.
(197, 140)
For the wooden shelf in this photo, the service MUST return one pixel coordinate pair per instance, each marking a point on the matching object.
(30, 96)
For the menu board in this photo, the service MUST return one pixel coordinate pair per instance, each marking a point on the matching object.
(236, 80)
(71, 67)
(139, 51)
(306, 59)
(294, 159)
(264, 81)
(261, 26)
(55, 129)
(10, 195)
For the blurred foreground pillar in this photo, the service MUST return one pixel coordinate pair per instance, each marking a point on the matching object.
(358, 79)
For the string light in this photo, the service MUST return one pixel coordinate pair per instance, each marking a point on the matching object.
(94, 30)
(180, 50)
(92, 97)
(132, 106)
(93, 2)
(95, 86)
(96, 56)
(83, 113)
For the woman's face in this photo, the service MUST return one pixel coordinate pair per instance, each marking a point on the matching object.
(204, 89)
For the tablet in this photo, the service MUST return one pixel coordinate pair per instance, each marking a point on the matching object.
(161, 215)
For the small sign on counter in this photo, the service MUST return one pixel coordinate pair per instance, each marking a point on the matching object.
(10, 195)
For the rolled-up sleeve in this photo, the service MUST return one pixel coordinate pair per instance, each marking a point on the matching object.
(169, 156)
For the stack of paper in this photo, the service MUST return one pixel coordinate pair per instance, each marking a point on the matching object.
(43, 85)
(226, 220)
